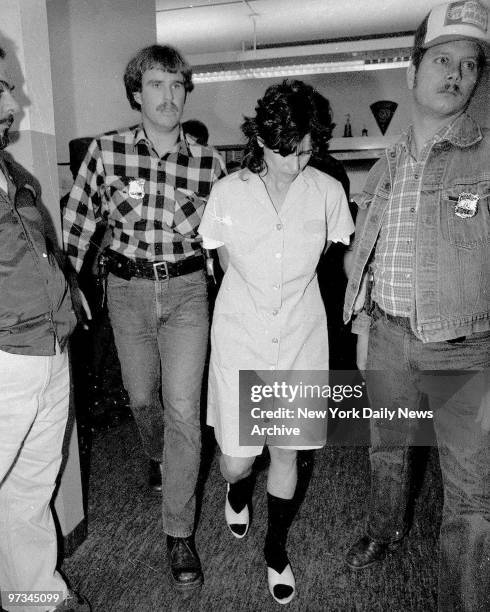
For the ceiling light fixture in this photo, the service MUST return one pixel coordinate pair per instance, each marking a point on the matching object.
(265, 72)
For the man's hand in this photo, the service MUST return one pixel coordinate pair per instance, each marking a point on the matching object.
(362, 351)
(81, 307)
(483, 416)
(361, 296)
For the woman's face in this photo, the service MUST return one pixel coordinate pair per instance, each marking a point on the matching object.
(288, 167)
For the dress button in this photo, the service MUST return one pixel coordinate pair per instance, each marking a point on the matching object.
(278, 255)
(272, 367)
(275, 340)
(278, 227)
(275, 287)
(416, 176)
(275, 312)
(412, 209)
(45, 254)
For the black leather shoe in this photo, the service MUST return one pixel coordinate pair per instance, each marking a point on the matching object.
(185, 566)
(155, 476)
(366, 552)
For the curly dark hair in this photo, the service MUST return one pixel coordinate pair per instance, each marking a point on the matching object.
(284, 116)
(164, 57)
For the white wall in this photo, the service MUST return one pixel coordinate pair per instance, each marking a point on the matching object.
(24, 35)
(91, 42)
(222, 106)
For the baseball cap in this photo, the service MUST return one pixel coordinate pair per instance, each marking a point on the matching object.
(458, 20)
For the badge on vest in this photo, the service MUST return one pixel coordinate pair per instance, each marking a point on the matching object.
(136, 188)
(466, 206)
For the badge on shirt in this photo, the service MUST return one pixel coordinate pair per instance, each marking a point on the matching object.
(136, 188)
(466, 206)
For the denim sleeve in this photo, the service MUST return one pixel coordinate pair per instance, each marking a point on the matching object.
(361, 323)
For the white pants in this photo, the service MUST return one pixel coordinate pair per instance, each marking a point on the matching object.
(34, 396)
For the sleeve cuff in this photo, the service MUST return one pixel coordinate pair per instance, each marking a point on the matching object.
(361, 324)
(344, 239)
(210, 243)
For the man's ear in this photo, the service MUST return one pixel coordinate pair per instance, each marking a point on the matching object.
(137, 97)
(411, 72)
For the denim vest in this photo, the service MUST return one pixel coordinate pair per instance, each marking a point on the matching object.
(451, 278)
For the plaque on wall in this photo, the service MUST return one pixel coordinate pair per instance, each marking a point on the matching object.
(383, 112)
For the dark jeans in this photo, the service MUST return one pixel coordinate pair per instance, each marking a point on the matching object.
(395, 378)
(161, 334)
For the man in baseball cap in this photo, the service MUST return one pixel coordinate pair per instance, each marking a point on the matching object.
(460, 20)
(423, 243)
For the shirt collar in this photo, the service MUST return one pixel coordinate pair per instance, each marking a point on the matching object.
(300, 181)
(4, 166)
(463, 131)
(181, 146)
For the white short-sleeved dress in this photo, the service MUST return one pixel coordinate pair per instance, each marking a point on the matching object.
(269, 313)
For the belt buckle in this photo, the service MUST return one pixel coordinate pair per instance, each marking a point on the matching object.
(157, 270)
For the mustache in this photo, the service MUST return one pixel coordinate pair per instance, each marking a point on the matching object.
(167, 106)
(450, 88)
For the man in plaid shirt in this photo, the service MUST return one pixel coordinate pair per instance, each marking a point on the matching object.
(151, 186)
(422, 240)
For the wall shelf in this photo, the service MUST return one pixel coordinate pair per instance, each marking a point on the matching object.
(359, 148)
(343, 149)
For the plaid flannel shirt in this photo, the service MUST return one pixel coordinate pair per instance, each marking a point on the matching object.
(153, 205)
(395, 249)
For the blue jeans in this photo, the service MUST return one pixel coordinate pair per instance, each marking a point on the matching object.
(395, 377)
(161, 335)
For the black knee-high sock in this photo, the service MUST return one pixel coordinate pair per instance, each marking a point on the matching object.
(281, 513)
(240, 493)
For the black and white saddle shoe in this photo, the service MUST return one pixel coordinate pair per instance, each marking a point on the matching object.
(282, 586)
(238, 522)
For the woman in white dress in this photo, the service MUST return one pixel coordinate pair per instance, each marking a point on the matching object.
(270, 223)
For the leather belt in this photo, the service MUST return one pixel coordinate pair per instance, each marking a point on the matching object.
(400, 321)
(405, 323)
(158, 270)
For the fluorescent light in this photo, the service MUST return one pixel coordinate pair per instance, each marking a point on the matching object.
(266, 72)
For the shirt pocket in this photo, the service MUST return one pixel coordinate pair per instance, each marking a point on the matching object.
(126, 197)
(188, 211)
(465, 223)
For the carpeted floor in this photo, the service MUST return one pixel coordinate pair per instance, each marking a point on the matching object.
(122, 564)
